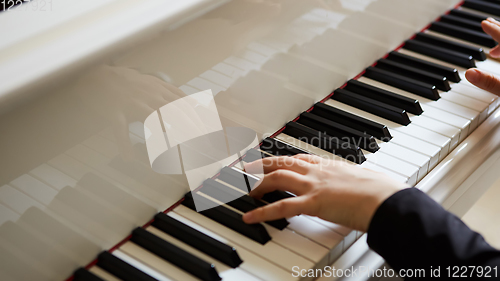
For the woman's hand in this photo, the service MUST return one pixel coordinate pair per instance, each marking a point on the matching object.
(332, 190)
(479, 78)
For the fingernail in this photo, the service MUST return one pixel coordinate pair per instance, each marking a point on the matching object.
(473, 75)
(492, 20)
(248, 217)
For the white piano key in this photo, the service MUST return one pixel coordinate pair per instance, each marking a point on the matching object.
(270, 251)
(478, 94)
(252, 260)
(453, 133)
(349, 234)
(418, 146)
(448, 118)
(103, 274)
(396, 165)
(318, 233)
(342, 230)
(489, 65)
(412, 130)
(144, 267)
(298, 243)
(440, 104)
(224, 271)
(410, 156)
(468, 102)
(430, 136)
(52, 176)
(34, 188)
(16, 200)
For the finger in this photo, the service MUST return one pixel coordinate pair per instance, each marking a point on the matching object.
(494, 21)
(492, 29)
(284, 180)
(271, 164)
(484, 80)
(282, 209)
(309, 158)
(495, 52)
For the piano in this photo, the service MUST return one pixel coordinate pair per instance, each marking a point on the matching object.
(378, 83)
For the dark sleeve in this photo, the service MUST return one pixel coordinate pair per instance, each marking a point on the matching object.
(410, 230)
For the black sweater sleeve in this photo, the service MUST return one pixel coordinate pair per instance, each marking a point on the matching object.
(411, 231)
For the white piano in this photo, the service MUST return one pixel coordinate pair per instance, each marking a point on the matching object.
(86, 195)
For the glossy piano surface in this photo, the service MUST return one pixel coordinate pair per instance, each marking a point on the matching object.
(78, 84)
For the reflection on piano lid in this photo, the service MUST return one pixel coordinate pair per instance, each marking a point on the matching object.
(75, 173)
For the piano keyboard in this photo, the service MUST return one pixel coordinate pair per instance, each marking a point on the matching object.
(401, 116)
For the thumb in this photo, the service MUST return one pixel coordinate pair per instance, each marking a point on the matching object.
(484, 80)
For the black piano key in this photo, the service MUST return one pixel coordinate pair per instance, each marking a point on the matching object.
(121, 269)
(228, 218)
(372, 106)
(276, 195)
(450, 73)
(458, 21)
(174, 255)
(279, 148)
(483, 6)
(387, 97)
(405, 83)
(82, 274)
(476, 52)
(492, 1)
(439, 81)
(325, 142)
(456, 58)
(380, 131)
(254, 155)
(463, 33)
(467, 15)
(198, 240)
(242, 181)
(233, 177)
(237, 200)
(334, 129)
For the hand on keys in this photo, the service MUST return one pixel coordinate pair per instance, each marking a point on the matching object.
(329, 189)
